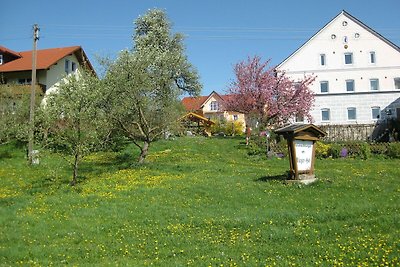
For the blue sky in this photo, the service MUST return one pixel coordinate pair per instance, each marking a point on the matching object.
(219, 33)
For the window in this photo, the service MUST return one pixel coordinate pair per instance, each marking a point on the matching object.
(325, 114)
(73, 66)
(397, 83)
(214, 105)
(1, 59)
(372, 58)
(235, 117)
(25, 81)
(67, 66)
(348, 58)
(322, 59)
(299, 118)
(351, 114)
(324, 85)
(350, 85)
(374, 84)
(376, 111)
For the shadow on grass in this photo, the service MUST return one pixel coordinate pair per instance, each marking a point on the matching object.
(280, 177)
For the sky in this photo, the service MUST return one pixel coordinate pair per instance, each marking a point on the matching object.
(218, 33)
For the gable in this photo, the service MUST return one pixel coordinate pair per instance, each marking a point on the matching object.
(343, 34)
(213, 97)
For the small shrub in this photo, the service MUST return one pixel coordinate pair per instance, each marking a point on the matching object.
(365, 151)
(257, 145)
(227, 127)
(379, 148)
(393, 150)
(255, 149)
(335, 150)
(322, 150)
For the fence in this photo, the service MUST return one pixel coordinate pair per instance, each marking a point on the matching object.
(353, 132)
(353, 148)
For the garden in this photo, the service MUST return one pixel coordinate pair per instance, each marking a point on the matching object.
(197, 201)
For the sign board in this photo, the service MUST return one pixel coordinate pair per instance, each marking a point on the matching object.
(304, 153)
(301, 140)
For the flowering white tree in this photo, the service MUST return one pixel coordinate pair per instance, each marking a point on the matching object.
(72, 119)
(143, 85)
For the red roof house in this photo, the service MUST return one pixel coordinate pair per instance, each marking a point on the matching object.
(212, 107)
(52, 65)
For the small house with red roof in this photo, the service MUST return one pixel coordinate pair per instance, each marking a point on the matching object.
(212, 107)
(52, 65)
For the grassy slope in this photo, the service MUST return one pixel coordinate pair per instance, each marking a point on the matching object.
(197, 201)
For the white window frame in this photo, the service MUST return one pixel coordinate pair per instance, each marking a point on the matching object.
(327, 87)
(73, 66)
(352, 58)
(322, 60)
(396, 81)
(322, 115)
(66, 66)
(354, 85)
(348, 113)
(214, 106)
(372, 57)
(375, 118)
(1, 60)
(377, 84)
(299, 118)
(235, 117)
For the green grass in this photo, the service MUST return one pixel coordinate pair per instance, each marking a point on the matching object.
(197, 202)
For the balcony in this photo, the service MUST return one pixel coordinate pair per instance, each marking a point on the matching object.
(15, 90)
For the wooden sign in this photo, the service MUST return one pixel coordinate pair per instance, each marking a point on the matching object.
(301, 140)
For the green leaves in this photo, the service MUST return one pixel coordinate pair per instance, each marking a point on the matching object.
(143, 85)
(72, 118)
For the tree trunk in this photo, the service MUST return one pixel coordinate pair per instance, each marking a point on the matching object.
(75, 175)
(143, 151)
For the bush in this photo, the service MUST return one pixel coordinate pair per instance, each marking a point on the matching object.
(322, 150)
(365, 151)
(359, 150)
(335, 151)
(393, 150)
(379, 148)
(227, 127)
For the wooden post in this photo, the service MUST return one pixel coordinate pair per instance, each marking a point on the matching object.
(32, 102)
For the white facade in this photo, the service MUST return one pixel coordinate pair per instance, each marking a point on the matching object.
(357, 73)
(57, 73)
(50, 77)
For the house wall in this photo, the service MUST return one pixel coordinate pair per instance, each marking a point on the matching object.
(57, 72)
(210, 113)
(50, 77)
(334, 41)
(13, 77)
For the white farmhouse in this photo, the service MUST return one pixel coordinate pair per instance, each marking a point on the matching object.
(52, 66)
(357, 73)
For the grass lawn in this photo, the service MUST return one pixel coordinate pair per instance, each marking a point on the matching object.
(197, 201)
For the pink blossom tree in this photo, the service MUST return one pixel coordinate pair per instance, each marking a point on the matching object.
(268, 96)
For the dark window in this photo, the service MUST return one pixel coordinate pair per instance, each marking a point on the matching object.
(372, 58)
(322, 59)
(324, 85)
(348, 58)
(376, 111)
(397, 83)
(325, 114)
(350, 85)
(351, 114)
(73, 66)
(67, 66)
